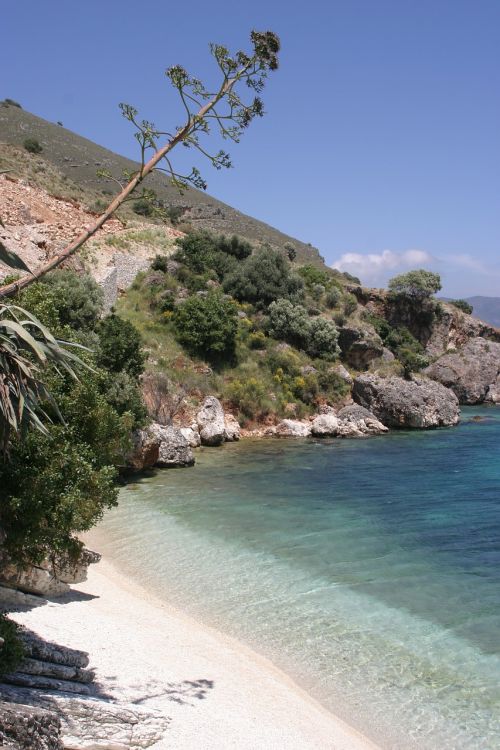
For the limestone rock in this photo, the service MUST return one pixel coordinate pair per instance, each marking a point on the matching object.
(343, 373)
(325, 425)
(292, 428)
(359, 346)
(29, 728)
(472, 372)
(211, 422)
(356, 421)
(145, 450)
(51, 577)
(192, 436)
(174, 448)
(417, 403)
(232, 428)
(88, 723)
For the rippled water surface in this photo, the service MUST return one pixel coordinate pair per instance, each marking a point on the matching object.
(368, 569)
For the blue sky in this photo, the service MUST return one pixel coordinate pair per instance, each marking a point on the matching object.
(380, 145)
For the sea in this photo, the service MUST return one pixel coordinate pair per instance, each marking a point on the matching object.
(367, 569)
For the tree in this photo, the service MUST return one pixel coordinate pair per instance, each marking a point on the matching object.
(120, 346)
(222, 108)
(263, 278)
(207, 326)
(463, 305)
(415, 285)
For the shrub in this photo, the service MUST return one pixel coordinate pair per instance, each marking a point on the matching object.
(333, 297)
(119, 346)
(77, 298)
(202, 252)
(463, 305)
(316, 336)
(249, 396)
(12, 103)
(143, 207)
(207, 326)
(317, 291)
(415, 285)
(290, 251)
(32, 146)
(313, 275)
(11, 650)
(350, 304)
(263, 278)
(257, 340)
(160, 263)
(407, 349)
(175, 214)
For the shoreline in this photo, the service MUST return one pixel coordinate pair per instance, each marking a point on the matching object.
(217, 692)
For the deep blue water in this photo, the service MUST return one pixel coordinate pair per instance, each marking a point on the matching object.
(367, 569)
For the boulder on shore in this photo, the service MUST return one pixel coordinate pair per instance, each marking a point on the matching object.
(472, 373)
(292, 428)
(192, 435)
(356, 421)
(211, 422)
(50, 578)
(325, 425)
(174, 448)
(232, 428)
(419, 403)
(144, 452)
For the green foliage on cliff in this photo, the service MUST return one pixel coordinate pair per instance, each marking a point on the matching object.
(263, 278)
(207, 325)
(416, 285)
(72, 468)
(463, 305)
(11, 651)
(291, 323)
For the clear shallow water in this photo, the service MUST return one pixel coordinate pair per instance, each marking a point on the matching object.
(368, 569)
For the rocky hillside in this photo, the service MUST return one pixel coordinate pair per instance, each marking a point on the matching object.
(78, 160)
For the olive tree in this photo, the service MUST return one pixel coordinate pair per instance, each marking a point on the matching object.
(416, 285)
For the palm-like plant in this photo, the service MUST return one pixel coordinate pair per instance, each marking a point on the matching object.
(27, 348)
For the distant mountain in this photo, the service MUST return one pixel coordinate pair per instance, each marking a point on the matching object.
(79, 160)
(486, 308)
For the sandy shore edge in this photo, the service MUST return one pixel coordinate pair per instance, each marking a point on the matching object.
(217, 692)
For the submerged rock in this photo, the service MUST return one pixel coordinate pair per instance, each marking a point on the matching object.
(417, 403)
(211, 422)
(473, 372)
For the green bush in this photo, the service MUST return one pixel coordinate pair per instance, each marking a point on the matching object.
(263, 278)
(32, 146)
(202, 251)
(11, 651)
(407, 349)
(333, 297)
(350, 304)
(313, 275)
(207, 326)
(160, 263)
(77, 298)
(143, 207)
(12, 103)
(462, 305)
(119, 346)
(249, 396)
(291, 323)
(415, 285)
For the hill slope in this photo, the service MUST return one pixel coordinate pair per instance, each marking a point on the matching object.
(486, 308)
(79, 159)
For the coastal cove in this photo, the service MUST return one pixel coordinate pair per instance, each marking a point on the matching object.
(367, 570)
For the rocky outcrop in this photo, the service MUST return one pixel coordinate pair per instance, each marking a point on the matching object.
(292, 428)
(417, 403)
(51, 578)
(325, 425)
(359, 346)
(356, 421)
(174, 448)
(210, 420)
(232, 430)
(88, 723)
(473, 372)
(192, 435)
(453, 329)
(144, 452)
(29, 728)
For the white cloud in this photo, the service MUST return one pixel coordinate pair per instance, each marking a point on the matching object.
(373, 268)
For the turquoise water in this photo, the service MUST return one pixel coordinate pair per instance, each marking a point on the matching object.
(368, 569)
